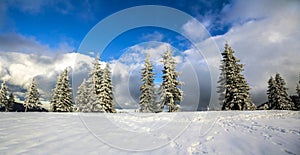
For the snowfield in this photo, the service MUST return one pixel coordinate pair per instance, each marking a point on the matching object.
(214, 132)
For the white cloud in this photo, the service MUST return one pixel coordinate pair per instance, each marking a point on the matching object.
(18, 69)
(265, 37)
(195, 30)
(156, 36)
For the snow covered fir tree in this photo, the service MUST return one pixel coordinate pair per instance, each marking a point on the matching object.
(278, 97)
(93, 88)
(82, 97)
(106, 91)
(233, 89)
(3, 97)
(170, 93)
(95, 94)
(32, 101)
(61, 100)
(148, 97)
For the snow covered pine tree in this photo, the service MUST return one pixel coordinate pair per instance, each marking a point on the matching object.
(170, 93)
(277, 94)
(236, 95)
(82, 97)
(32, 102)
(148, 97)
(3, 97)
(62, 94)
(106, 92)
(93, 88)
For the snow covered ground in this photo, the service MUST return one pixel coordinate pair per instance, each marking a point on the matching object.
(233, 132)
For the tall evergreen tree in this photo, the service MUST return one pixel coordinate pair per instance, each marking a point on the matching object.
(278, 97)
(106, 92)
(94, 88)
(221, 89)
(62, 94)
(272, 93)
(282, 99)
(96, 74)
(55, 95)
(32, 102)
(148, 98)
(3, 96)
(170, 93)
(236, 95)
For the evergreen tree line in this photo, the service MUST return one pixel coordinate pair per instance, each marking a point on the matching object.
(95, 94)
(234, 89)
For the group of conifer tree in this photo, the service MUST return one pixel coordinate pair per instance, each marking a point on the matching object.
(96, 93)
(170, 95)
(234, 89)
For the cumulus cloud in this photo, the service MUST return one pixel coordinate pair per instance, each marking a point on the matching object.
(264, 35)
(18, 69)
(195, 30)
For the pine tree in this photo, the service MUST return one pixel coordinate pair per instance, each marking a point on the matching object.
(62, 94)
(32, 102)
(221, 89)
(106, 92)
(82, 97)
(147, 98)
(272, 92)
(282, 99)
(96, 75)
(11, 102)
(170, 93)
(236, 95)
(55, 95)
(94, 88)
(3, 96)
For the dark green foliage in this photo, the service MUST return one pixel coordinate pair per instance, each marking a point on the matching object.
(170, 93)
(278, 97)
(62, 94)
(234, 90)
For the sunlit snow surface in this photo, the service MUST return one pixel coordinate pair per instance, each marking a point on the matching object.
(234, 132)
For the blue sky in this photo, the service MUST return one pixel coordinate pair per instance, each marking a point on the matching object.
(38, 40)
(69, 21)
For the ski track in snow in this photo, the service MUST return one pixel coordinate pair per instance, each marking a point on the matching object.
(233, 132)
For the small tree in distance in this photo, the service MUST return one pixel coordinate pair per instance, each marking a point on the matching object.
(82, 97)
(3, 96)
(11, 102)
(32, 102)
